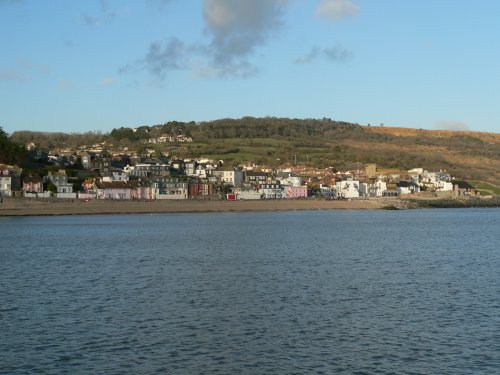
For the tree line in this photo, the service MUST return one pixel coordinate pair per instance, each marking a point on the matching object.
(11, 152)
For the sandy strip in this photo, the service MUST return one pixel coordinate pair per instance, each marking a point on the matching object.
(27, 207)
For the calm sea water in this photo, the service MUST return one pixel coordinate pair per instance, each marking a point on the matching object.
(320, 292)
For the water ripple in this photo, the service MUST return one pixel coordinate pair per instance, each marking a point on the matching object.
(412, 292)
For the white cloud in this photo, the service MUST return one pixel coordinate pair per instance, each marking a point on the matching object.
(335, 54)
(13, 75)
(237, 28)
(106, 15)
(451, 125)
(22, 71)
(336, 9)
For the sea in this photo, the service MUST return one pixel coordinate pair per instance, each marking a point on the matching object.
(299, 292)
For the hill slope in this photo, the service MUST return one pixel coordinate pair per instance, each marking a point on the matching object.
(320, 143)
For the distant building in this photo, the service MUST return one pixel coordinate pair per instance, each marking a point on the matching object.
(463, 189)
(92, 160)
(407, 187)
(201, 188)
(255, 177)
(169, 188)
(113, 190)
(60, 180)
(391, 190)
(293, 192)
(347, 189)
(368, 188)
(289, 178)
(443, 186)
(149, 170)
(32, 184)
(116, 175)
(371, 170)
(248, 194)
(271, 191)
(229, 175)
(8, 183)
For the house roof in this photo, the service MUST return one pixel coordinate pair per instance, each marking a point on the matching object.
(138, 183)
(252, 173)
(406, 184)
(463, 185)
(227, 168)
(35, 179)
(121, 184)
(286, 174)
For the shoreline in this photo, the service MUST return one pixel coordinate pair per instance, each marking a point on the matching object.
(26, 207)
(29, 207)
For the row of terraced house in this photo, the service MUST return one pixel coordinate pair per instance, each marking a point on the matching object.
(163, 178)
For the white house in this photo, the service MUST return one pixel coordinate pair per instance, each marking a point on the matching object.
(6, 183)
(190, 168)
(60, 181)
(368, 189)
(247, 194)
(416, 171)
(289, 179)
(229, 175)
(443, 186)
(271, 191)
(203, 170)
(434, 177)
(170, 189)
(381, 187)
(407, 187)
(116, 175)
(347, 189)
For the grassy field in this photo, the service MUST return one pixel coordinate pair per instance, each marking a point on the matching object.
(485, 188)
(474, 156)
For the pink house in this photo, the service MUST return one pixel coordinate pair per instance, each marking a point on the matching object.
(295, 192)
(140, 190)
(123, 190)
(32, 184)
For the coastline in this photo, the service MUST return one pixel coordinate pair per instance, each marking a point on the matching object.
(54, 207)
(28, 207)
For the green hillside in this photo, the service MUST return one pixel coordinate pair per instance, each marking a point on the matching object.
(319, 143)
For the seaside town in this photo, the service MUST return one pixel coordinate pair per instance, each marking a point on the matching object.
(93, 173)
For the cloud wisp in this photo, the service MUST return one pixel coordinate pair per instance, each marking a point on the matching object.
(22, 71)
(17, 74)
(333, 54)
(335, 10)
(106, 14)
(164, 57)
(159, 3)
(161, 58)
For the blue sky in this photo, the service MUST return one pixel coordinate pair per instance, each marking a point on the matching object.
(77, 66)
